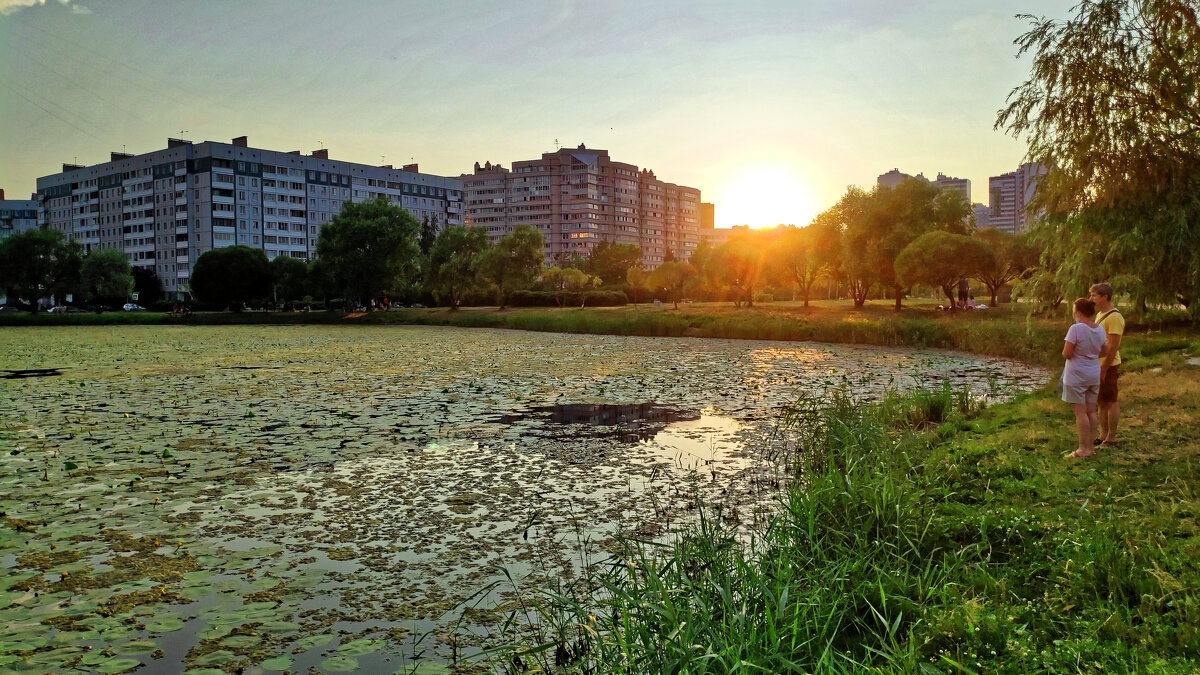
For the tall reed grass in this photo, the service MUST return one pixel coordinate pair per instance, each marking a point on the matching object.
(881, 557)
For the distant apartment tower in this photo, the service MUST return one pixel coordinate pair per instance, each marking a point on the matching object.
(17, 215)
(982, 215)
(895, 177)
(1009, 197)
(580, 197)
(959, 185)
(165, 208)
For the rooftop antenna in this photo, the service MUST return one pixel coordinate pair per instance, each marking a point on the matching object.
(182, 132)
(322, 144)
(123, 149)
(381, 159)
(556, 144)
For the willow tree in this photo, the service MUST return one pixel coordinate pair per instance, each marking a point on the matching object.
(1015, 257)
(940, 259)
(514, 262)
(1112, 106)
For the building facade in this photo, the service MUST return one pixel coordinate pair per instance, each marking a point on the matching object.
(578, 198)
(17, 215)
(164, 209)
(960, 185)
(895, 177)
(1009, 196)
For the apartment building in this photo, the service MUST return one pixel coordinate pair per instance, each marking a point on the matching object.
(17, 215)
(895, 177)
(1009, 197)
(165, 208)
(580, 197)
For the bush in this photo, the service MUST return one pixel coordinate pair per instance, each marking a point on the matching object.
(572, 299)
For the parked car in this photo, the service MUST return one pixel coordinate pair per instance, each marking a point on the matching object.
(133, 307)
(65, 309)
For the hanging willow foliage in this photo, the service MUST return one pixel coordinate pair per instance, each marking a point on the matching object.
(1112, 105)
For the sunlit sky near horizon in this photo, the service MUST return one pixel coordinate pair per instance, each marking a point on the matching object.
(771, 109)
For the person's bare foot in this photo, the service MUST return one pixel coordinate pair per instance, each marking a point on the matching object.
(1080, 454)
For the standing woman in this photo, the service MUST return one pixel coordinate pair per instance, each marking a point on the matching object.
(1085, 343)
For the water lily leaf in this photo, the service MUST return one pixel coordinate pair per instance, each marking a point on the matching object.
(340, 664)
(281, 662)
(138, 647)
(118, 665)
(215, 631)
(279, 627)
(360, 647)
(216, 658)
(240, 641)
(164, 624)
(315, 640)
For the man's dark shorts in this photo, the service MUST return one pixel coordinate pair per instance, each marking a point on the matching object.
(1108, 386)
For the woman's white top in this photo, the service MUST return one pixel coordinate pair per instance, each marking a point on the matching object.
(1083, 369)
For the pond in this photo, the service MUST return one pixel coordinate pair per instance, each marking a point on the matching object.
(295, 498)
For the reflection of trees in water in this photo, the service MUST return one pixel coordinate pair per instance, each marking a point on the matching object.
(630, 423)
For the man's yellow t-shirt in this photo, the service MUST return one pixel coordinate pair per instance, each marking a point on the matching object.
(1113, 324)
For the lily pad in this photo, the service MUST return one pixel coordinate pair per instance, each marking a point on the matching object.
(135, 648)
(118, 665)
(164, 624)
(241, 641)
(360, 647)
(279, 627)
(315, 640)
(340, 664)
(281, 662)
(215, 658)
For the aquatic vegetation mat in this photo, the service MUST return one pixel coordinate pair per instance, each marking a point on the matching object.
(220, 499)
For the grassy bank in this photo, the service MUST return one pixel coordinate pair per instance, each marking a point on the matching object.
(970, 546)
(1005, 331)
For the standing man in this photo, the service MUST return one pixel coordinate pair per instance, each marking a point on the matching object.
(1113, 323)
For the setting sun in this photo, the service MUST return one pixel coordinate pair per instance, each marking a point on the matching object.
(763, 197)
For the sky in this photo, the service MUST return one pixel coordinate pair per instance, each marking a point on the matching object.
(771, 109)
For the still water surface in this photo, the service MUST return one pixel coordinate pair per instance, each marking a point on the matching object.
(326, 497)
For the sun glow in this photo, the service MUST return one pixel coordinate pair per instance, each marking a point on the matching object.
(764, 196)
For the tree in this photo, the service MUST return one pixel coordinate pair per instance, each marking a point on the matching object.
(856, 245)
(317, 281)
(427, 236)
(895, 217)
(804, 255)
(674, 277)
(638, 281)
(37, 264)
(514, 262)
(454, 263)
(369, 248)
(1110, 106)
(566, 280)
(231, 276)
(1015, 258)
(941, 259)
(147, 285)
(611, 262)
(738, 265)
(288, 278)
(104, 276)
(570, 260)
(579, 282)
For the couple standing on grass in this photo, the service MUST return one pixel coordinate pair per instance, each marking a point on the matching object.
(1092, 351)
